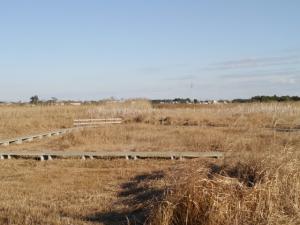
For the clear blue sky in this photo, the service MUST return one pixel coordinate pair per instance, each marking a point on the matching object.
(95, 49)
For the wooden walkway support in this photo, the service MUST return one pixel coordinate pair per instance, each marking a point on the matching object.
(51, 155)
(96, 122)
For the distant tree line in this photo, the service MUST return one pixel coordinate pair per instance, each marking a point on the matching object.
(177, 100)
(265, 98)
(36, 101)
(259, 98)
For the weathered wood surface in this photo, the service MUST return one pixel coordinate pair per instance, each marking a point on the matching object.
(96, 122)
(44, 155)
(20, 140)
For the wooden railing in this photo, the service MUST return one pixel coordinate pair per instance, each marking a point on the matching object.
(96, 122)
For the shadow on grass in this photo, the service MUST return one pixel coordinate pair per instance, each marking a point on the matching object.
(133, 207)
(247, 174)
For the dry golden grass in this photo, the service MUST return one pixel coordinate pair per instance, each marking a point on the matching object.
(252, 190)
(143, 137)
(258, 182)
(23, 120)
(26, 120)
(75, 192)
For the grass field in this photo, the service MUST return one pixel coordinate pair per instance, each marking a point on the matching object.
(258, 181)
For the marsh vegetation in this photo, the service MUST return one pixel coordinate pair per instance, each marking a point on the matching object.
(258, 181)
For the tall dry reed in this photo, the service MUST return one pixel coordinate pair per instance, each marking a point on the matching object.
(255, 190)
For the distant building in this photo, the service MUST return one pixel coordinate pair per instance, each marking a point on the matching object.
(75, 103)
(60, 103)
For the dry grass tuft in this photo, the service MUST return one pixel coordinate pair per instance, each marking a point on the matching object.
(251, 191)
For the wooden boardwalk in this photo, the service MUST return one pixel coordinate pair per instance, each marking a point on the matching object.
(96, 122)
(50, 155)
(20, 140)
(78, 124)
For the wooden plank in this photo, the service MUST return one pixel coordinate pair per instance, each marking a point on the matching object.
(111, 155)
(19, 140)
(89, 122)
(96, 123)
(95, 120)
